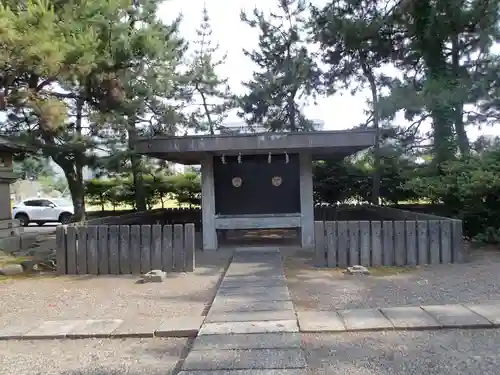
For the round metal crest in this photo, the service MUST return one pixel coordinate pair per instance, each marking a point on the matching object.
(276, 181)
(236, 181)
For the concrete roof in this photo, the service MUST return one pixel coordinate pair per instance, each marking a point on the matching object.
(9, 145)
(192, 149)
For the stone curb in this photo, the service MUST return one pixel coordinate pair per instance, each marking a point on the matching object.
(482, 316)
(178, 327)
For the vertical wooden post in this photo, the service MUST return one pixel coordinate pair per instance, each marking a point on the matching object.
(167, 255)
(319, 244)
(71, 250)
(364, 243)
(331, 243)
(353, 227)
(411, 242)
(388, 238)
(92, 253)
(178, 248)
(434, 242)
(103, 249)
(399, 243)
(61, 249)
(377, 258)
(343, 244)
(135, 249)
(189, 248)
(114, 246)
(156, 239)
(125, 250)
(81, 267)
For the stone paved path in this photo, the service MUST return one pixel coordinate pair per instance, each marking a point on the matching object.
(251, 327)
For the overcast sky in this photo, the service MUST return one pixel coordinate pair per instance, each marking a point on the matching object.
(338, 112)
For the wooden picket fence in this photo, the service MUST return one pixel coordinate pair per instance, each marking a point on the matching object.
(388, 243)
(124, 249)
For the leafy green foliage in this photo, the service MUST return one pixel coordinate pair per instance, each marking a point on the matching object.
(30, 167)
(207, 91)
(119, 190)
(469, 187)
(286, 71)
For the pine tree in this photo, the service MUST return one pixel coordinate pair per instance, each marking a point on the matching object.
(356, 39)
(209, 92)
(287, 73)
(86, 48)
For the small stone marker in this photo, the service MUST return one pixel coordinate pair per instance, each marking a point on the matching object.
(11, 270)
(154, 276)
(357, 270)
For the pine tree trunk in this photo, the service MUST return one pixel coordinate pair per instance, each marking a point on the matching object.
(462, 140)
(432, 48)
(376, 176)
(136, 162)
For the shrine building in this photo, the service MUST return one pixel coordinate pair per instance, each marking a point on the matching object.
(257, 180)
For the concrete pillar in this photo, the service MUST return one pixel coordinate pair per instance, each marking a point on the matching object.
(208, 204)
(5, 206)
(306, 200)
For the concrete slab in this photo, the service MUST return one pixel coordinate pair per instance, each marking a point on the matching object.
(490, 311)
(252, 284)
(143, 327)
(251, 316)
(226, 328)
(248, 275)
(410, 317)
(456, 316)
(95, 328)
(264, 250)
(283, 295)
(192, 149)
(188, 326)
(364, 319)
(52, 329)
(249, 278)
(247, 372)
(247, 341)
(244, 359)
(17, 331)
(275, 291)
(320, 321)
(251, 306)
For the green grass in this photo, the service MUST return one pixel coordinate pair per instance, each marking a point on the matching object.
(390, 270)
(168, 204)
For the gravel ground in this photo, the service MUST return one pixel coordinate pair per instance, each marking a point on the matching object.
(326, 289)
(118, 297)
(443, 352)
(92, 357)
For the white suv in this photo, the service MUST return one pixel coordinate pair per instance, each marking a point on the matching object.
(43, 210)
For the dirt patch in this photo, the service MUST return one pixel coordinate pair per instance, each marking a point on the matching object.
(118, 297)
(314, 288)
